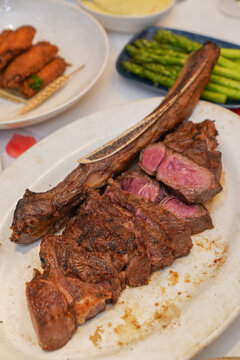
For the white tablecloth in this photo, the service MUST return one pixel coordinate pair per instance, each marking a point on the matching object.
(200, 16)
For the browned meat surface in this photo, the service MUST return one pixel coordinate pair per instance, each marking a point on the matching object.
(102, 250)
(195, 215)
(47, 74)
(58, 303)
(193, 182)
(176, 230)
(102, 228)
(1, 78)
(38, 214)
(28, 63)
(197, 142)
(13, 43)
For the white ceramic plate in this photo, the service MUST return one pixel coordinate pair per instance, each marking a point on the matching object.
(81, 40)
(181, 310)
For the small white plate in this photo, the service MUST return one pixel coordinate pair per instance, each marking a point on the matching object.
(81, 40)
(181, 310)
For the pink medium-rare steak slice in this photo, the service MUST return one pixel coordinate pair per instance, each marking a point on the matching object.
(137, 183)
(195, 183)
(197, 142)
(195, 215)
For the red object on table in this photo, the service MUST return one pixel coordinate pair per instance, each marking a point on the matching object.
(237, 111)
(18, 144)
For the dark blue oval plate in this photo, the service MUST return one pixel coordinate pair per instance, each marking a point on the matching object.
(149, 34)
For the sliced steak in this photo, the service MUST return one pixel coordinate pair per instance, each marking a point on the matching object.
(197, 142)
(112, 231)
(155, 216)
(195, 215)
(193, 182)
(38, 214)
(86, 267)
(157, 244)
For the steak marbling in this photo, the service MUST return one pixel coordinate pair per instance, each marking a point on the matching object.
(193, 182)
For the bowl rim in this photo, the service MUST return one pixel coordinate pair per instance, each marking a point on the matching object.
(128, 17)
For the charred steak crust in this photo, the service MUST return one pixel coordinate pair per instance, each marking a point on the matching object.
(38, 214)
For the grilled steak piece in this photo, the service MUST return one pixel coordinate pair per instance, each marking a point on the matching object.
(58, 303)
(73, 260)
(102, 250)
(38, 214)
(155, 216)
(197, 142)
(104, 228)
(193, 182)
(195, 215)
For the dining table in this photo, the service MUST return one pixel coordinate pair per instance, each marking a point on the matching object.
(199, 16)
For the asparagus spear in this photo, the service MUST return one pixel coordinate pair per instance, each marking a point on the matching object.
(230, 93)
(144, 43)
(166, 52)
(228, 73)
(144, 73)
(169, 71)
(163, 80)
(220, 80)
(214, 97)
(166, 36)
(228, 64)
(230, 53)
(188, 45)
(152, 44)
(132, 50)
(154, 58)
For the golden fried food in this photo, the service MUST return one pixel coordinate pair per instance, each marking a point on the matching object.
(28, 63)
(4, 34)
(13, 43)
(45, 76)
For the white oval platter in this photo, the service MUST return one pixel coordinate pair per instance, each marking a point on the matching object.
(182, 309)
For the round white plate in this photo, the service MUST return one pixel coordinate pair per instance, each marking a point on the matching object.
(181, 310)
(81, 40)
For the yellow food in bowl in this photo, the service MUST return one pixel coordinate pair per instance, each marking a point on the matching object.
(127, 7)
